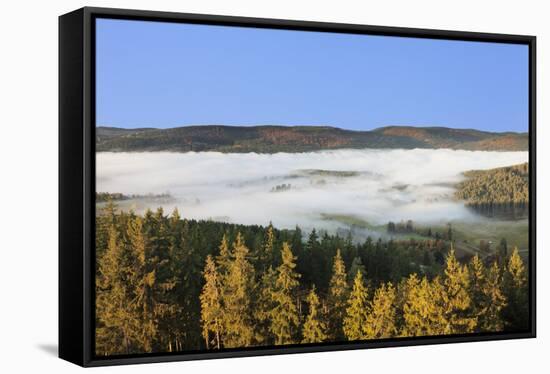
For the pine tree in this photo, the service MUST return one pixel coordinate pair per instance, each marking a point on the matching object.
(211, 307)
(355, 320)
(143, 278)
(477, 286)
(337, 297)
(266, 253)
(223, 260)
(314, 329)
(457, 301)
(423, 311)
(490, 319)
(516, 313)
(264, 307)
(117, 318)
(382, 316)
(284, 316)
(356, 266)
(238, 324)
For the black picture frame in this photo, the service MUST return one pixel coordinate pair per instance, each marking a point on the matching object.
(77, 181)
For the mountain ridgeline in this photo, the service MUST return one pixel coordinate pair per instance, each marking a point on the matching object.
(272, 139)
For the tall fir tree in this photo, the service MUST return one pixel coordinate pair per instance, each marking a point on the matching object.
(456, 298)
(516, 313)
(211, 306)
(423, 309)
(314, 328)
(490, 320)
(477, 274)
(117, 318)
(337, 297)
(284, 316)
(143, 276)
(357, 311)
(264, 306)
(238, 322)
(381, 318)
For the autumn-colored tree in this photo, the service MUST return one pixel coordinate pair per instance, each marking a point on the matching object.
(118, 321)
(284, 316)
(143, 278)
(423, 310)
(494, 301)
(266, 253)
(456, 297)
(516, 313)
(314, 328)
(264, 306)
(357, 311)
(476, 271)
(224, 258)
(382, 316)
(337, 297)
(238, 324)
(211, 306)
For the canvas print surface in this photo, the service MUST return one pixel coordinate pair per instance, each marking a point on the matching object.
(261, 187)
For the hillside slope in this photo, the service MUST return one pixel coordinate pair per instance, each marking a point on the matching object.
(271, 139)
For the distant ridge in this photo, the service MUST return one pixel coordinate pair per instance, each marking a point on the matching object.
(272, 139)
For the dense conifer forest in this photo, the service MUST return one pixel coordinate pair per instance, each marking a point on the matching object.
(165, 284)
(507, 185)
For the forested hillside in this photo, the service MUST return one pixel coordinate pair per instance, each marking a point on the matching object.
(164, 283)
(507, 185)
(271, 139)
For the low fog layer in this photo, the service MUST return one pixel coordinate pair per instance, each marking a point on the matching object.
(303, 189)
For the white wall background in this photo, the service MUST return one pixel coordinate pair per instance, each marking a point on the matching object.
(28, 161)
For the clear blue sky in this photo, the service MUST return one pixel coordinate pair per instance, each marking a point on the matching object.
(153, 74)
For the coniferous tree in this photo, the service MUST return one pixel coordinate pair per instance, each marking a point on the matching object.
(266, 253)
(118, 320)
(382, 316)
(314, 328)
(516, 313)
(211, 306)
(356, 266)
(355, 320)
(284, 316)
(264, 306)
(238, 323)
(494, 302)
(337, 297)
(423, 310)
(143, 278)
(477, 286)
(456, 297)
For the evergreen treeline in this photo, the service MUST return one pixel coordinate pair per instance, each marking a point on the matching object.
(104, 197)
(507, 185)
(167, 284)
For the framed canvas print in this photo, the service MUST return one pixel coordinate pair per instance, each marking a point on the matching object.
(236, 186)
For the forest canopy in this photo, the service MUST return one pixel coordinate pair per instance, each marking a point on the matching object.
(507, 185)
(165, 283)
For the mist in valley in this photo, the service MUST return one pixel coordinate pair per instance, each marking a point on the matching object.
(323, 190)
